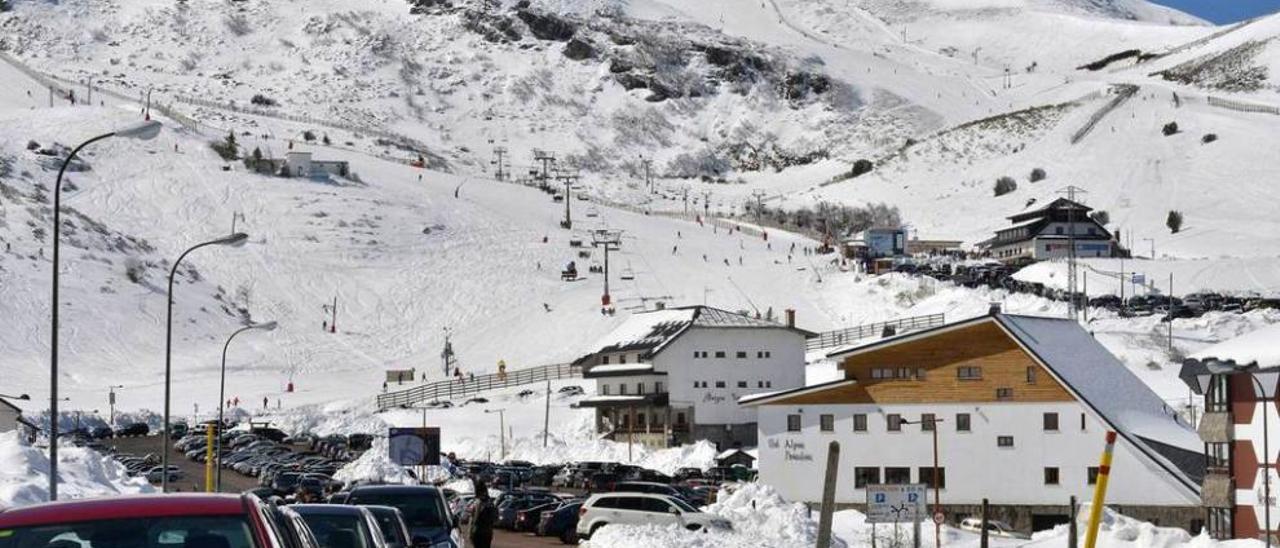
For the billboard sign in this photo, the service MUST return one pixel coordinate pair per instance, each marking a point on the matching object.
(414, 446)
(900, 503)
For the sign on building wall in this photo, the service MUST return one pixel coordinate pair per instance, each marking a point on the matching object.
(414, 446)
(904, 503)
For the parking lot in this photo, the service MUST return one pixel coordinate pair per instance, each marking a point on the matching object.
(192, 472)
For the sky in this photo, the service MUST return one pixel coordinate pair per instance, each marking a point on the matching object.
(1224, 11)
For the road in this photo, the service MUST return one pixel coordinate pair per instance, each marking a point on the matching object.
(192, 472)
(508, 539)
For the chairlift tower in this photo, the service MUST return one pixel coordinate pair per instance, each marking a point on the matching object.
(498, 153)
(610, 240)
(568, 179)
(547, 159)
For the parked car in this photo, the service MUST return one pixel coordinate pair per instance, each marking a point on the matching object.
(198, 519)
(527, 519)
(994, 528)
(135, 429)
(156, 474)
(293, 529)
(561, 522)
(642, 508)
(647, 487)
(341, 526)
(394, 530)
(508, 507)
(423, 508)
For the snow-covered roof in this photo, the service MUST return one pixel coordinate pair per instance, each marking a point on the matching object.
(649, 332)
(730, 452)
(603, 399)
(620, 369)
(1259, 349)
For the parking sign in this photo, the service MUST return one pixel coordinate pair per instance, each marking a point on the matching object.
(414, 446)
(903, 503)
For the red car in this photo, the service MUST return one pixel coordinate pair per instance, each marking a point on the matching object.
(176, 521)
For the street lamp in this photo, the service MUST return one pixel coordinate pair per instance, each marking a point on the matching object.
(502, 430)
(23, 397)
(222, 394)
(236, 240)
(145, 130)
(932, 424)
(111, 401)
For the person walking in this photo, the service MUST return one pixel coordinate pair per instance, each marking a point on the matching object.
(483, 516)
(502, 371)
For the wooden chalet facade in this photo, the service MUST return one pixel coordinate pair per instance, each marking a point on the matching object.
(1021, 404)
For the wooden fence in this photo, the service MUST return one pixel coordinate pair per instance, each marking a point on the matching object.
(450, 389)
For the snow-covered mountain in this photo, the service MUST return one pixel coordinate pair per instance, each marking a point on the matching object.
(723, 97)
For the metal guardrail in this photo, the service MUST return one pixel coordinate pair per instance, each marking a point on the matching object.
(850, 335)
(1243, 106)
(450, 389)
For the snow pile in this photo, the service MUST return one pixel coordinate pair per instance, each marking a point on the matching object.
(759, 515)
(374, 466)
(1258, 348)
(24, 474)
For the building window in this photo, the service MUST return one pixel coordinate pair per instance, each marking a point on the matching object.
(742, 384)
(1031, 375)
(604, 390)
(1050, 422)
(969, 373)
(1219, 523)
(742, 354)
(680, 418)
(1215, 399)
(860, 422)
(920, 373)
(865, 475)
(827, 423)
(902, 373)
(1057, 230)
(640, 388)
(719, 353)
(719, 384)
(1051, 475)
(604, 360)
(793, 423)
(759, 384)
(657, 387)
(897, 476)
(622, 389)
(763, 354)
(1004, 393)
(926, 476)
(1093, 475)
(928, 422)
(622, 358)
(1004, 441)
(1217, 456)
(696, 354)
(640, 420)
(895, 422)
(962, 422)
(768, 384)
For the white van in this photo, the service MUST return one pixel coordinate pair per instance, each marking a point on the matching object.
(642, 508)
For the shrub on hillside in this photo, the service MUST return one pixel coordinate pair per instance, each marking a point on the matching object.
(135, 270)
(860, 167)
(1174, 221)
(1169, 129)
(1209, 138)
(1038, 175)
(226, 148)
(263, 100)
(309, 135)
(1005, 185)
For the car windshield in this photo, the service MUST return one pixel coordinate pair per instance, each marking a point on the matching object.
(419, 510)
(337, 530)
(684, 506)
(168, 532)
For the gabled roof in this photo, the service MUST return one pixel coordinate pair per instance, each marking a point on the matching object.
(1093, 376)
(1060, 203)
(650, 332)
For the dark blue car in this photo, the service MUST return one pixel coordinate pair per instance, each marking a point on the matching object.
(423, 508)
(561, 522)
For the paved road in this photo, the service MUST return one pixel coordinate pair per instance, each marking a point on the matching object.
(508, 539)
(192, 472)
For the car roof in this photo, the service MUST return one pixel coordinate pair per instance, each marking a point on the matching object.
(394, 489)
(598, 496)
(649, 483)
(328, 509)
(125, 507)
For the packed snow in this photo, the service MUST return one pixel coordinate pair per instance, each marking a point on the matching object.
(82, 473)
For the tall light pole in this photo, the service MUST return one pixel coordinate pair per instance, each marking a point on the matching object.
(932, 423)
(145, 130)
(222, 395)
(502, 430)
(1152, 241)
(237, 239)
(111, 401)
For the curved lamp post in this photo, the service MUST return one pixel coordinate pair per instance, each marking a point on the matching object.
(145, 130)
(236, 240)
(222, 395)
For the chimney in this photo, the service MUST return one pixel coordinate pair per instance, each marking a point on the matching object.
(994, 309)
(791, 317)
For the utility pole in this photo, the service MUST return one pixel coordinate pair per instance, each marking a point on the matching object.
(547, 159)
(1152, 241)
(1171, 311)
(1073, 304)
(648, 180)
(546, 416)
(446, 355)
(706, 203)
(611, 240)
(111, 401)
(502, 430)
(759, 196)
(498, 152)
(333, 323)
(686, 200)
